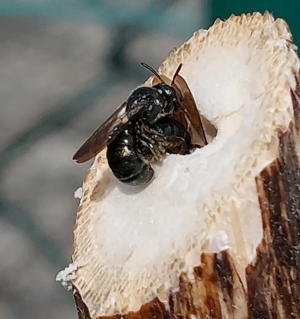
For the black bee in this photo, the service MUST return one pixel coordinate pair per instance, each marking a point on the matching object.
(152, 122)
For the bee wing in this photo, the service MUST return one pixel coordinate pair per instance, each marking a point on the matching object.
(188, 115)
(103, 135)
(189, 111)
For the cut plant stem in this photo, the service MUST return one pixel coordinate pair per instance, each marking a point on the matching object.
(217, 233)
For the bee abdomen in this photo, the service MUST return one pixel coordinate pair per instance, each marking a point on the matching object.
(125, 162)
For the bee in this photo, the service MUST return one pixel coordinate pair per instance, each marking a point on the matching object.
(152, 122)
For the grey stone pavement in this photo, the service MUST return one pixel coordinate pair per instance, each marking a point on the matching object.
(45, 65)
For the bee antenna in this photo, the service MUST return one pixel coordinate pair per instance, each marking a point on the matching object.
(176, 73)
(148, 67)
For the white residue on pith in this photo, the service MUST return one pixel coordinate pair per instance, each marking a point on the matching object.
(69, 273)
(78, 193)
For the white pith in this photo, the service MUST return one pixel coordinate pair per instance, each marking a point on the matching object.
(134, 242)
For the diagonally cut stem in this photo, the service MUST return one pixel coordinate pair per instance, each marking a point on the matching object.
(217, 233)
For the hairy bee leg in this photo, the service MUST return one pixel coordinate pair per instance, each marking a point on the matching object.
(153, 141)
(177, 145)
(156, 150)
(177, 139)
(160, 152)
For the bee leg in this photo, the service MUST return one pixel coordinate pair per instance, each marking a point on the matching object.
(177, 145)
(158, 151)
(177, 139)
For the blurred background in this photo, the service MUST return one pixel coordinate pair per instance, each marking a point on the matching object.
(65, 65)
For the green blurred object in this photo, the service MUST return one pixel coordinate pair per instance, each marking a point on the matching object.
(156, 16)
(287, 10)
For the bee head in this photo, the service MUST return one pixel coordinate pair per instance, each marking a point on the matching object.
(155, 102)
(170, 97)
